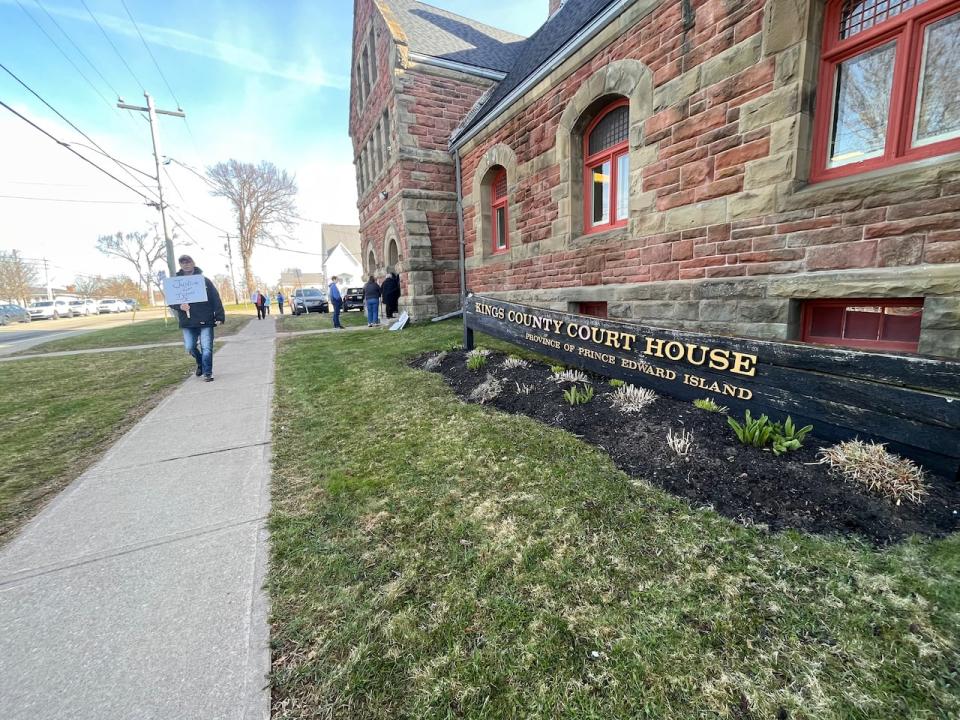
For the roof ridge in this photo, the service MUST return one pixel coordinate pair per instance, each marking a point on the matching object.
(472, 20)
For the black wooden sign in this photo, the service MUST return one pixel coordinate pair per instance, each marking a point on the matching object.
(911, 403)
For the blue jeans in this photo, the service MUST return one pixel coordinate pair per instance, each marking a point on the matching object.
(337, 307)
(373, 311)
(203, 356)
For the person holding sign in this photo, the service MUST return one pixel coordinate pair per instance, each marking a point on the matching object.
(199, 311)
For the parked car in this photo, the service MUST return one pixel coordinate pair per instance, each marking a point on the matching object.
(112, 305)
(50, 309)
(132, 303)
(308, 300)
(353, 298)
(13, 313)
(79, 307)
(93, 308)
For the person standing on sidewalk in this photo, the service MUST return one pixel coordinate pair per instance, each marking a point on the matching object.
(371, 298)
(336, 299)
(197, 320)
(259, 300)
(280, 300)
(266, 303)
(391, 293)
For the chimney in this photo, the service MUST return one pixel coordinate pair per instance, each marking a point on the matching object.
(554, 6)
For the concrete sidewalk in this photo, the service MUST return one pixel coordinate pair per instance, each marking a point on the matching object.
(137, 593)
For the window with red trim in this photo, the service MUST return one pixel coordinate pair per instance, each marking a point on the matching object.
(889, 86)
(606, 169)
(866, 323)
(596, 309)
(499, 213)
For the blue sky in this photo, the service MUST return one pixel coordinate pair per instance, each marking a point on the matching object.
(258, 81)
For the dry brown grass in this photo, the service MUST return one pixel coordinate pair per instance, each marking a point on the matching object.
(871, 464)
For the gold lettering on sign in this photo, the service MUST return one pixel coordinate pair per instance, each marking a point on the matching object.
(717, 358)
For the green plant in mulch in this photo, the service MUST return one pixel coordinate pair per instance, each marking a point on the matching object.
(557, 369)
(761, 432)
(578, 396)
(871, 464)
(476, 362)
(709, 405)
(615, 383)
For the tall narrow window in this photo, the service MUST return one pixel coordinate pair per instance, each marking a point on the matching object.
(889, 90)
(385, 124)
(606, 174)
(365, 71)
(372, 44)
(499, 213)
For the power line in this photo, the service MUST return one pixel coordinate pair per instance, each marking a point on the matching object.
(170, 178)
(150, 52)
(66, 120)
(122, 59)
(82, 157)
(207, 180)
(197, 217)
(77, 48)
(62, 52)
(72, 200)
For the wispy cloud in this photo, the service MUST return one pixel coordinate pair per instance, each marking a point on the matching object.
(308, 70)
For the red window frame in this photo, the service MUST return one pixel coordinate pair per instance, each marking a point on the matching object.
(499, 197)
(906, 29)
(806, 322)
(611, 154)
(594, 308)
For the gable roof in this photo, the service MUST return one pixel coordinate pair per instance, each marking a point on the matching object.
(332, 236)
(536, 50)
(441, 34)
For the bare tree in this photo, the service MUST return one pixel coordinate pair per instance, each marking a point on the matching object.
(87, 286)
(142, 250)
(224, 286)
(121, 286)
(263, 198)
(16, 277)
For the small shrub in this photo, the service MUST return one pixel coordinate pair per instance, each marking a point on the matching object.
(709, 405)
(757, 432)
(454, 346)
(433, 362)
(681, 444)
(578, 396)
(788, 437)
(631, 399)
(557, 369)
(571, 376)
(513, 362)
(617, 383)
(478, 352)
(871, 464)
(487, 390)
(476, 362)
(523, 389)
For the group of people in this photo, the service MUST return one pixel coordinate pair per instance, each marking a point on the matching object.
(387, 291)
(262, 302)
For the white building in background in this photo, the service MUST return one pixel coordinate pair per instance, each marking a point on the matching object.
(340, 245)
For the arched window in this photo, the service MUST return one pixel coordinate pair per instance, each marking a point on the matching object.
(606, 171)
(499, 213)
(889, 89)
(371, 262)
(393, 254)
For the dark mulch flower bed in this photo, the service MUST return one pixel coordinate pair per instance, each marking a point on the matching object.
(740, 482)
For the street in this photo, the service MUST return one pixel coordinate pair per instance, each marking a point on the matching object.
(20, 336)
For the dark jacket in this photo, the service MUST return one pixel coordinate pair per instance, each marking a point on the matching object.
(371, 291)
(202, 314)
(390, 288)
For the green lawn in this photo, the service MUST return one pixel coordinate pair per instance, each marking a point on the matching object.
(321, 321)
(433, 559)
(144, 332)
(59, 414)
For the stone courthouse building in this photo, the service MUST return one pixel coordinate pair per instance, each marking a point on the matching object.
(782, 169)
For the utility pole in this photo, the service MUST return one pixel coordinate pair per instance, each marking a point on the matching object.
(152, 113)
(46, 272)
(229, 248)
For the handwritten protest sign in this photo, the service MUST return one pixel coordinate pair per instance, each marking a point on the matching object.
(184, 289)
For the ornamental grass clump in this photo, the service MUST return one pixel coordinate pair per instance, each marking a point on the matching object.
(709, 405)
(513, 363)
(632, 399)
(681, 444)
(433, 362)
(615, 383)
(570, 376)
(871, 464)
(578, 396)
(487, 390)
(476, 362)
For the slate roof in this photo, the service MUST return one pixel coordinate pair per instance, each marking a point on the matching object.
(441, 34)
(537, 49)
